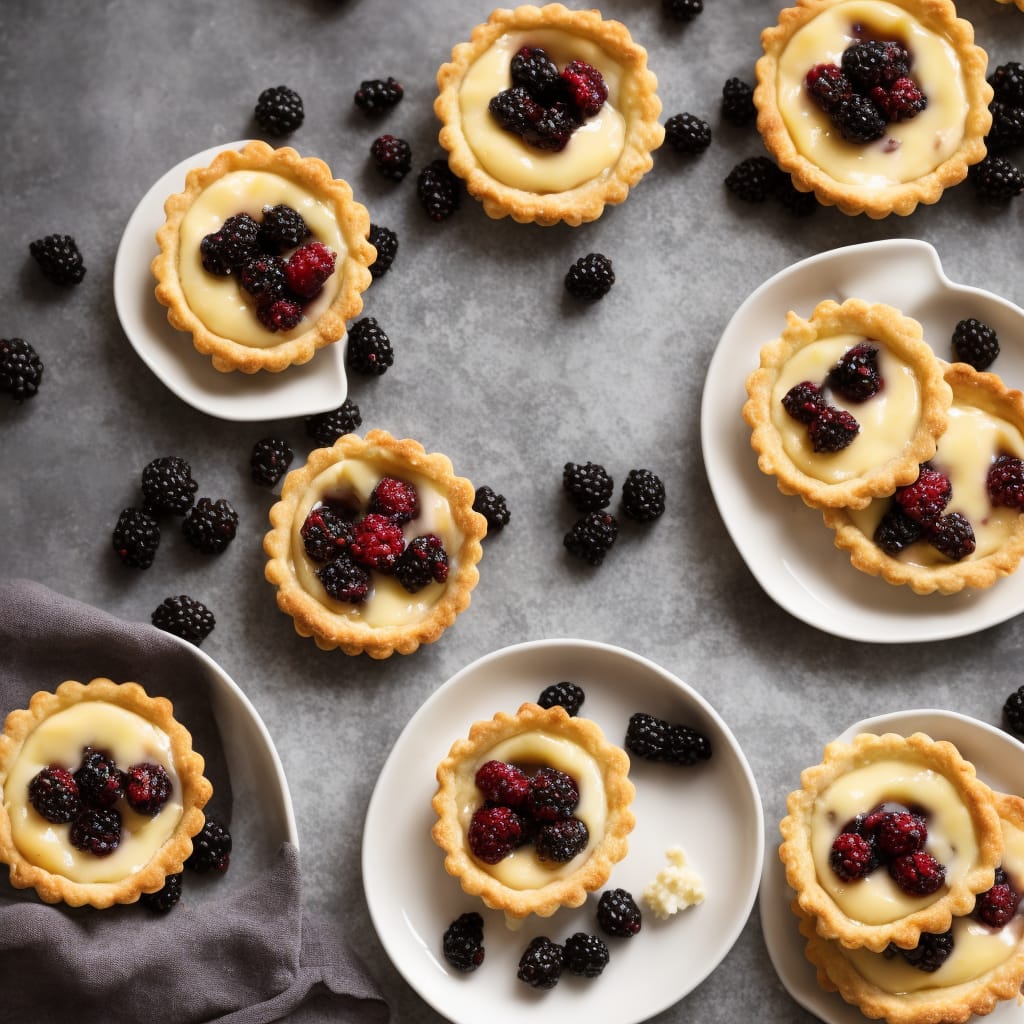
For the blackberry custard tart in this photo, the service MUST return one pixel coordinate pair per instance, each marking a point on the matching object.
(874, 106)
(533, 810)
(374, 545)
(959, 524)
(102, 793)
(548, 114)
(889, 837)
(263, 258)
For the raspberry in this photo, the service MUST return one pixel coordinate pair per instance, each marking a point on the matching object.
(975, 343)
(282, 227)
(515, 110)
(211, 849)
(586, 86)
(828, 86)
(263, 277)
(165, 898)
(326, 427)
(423, 561)
(210, 525)
(1013, 712)
(344, 580)
(53, 792)
(856, 375)
(591, 537)
(590, 278)
(738, 102)
(147, 788)
(279, 110)
(369, 348)
(643, 495)
(325, 533)
(832, 430)
(540, 966)
(462, 944)
(553, 795)
(586, 955)
(901, 101)
(900, 832)
(618, 914)
(564, 695)
(97, 831)
(167, 485)
(803, 401)
(996, 906)
(682, 10)
(395, 499)
(494, 832)
(589, 486)
(1007, 82)
(100, 782)
(378, 96)
(385, 241)
(533, 70)
(185, 617)
(21, 369)
(269, 461)
(308, 268)
(926, 498)
(996, 181)
(280, 314)
(391, 156)
(492, 507)
(930, 953)
(754, 179)
(560, 841)
(918, 873)
(687, 133)
(951, 535)
(896, 530)
(858, 119)
(438, 190)
(136, 538)
(874, 62)
(59, 259)
(503, 783)
(377, 542)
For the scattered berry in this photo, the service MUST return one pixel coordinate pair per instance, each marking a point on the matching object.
(618, 914)
(308, 268)
(590, 278)
(210, 525)
(378, 96)
(147, 787)
(100, 782)
(588, 485)
(462, 944)
(438, 190)
(211, 849)
(996, 906)
(1007, 82)
(391, 156)
(832, 430)
(553, 795)
(925, 499)
(279, 110)
(136, 538)
(282, 227)
(996, 181)
(560, 841)
(377, 542)
(97, 831)
(326, 427)
(855, 376)
(682, 10)
(754, 179)
(494, 832)
(540, 966)
(369, 348)
(655, 739)
(586, 86)
(738, 102)
(503, 783)
(643, 495)
(165, 898)
(59, 259)
(803, 401)
(930, 953)
(21, 369)
(185, 617)
(326, 533)
(896, 530)
(269, 461)
(385, 241)
(344, 580)
(53, 792)
(586, 955)
(1007, 131)
(423, 561)
(687, 133)
(1013, 712)
(851, 856)
(591, 537)
(975, 343)
(1005, 482)
(918, 873)
(951, 535)
(564, 695)
(167, 485)
(492, 507)
(793, 201)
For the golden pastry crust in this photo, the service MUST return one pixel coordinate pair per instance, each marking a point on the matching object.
(957, 896)
(586, 201)
(899, 334)
(312, 614)
(352, 268)
(877, 201)
(1019, 3)
(938, 1004)
(987, 392)
(188, 765)
(449, 833)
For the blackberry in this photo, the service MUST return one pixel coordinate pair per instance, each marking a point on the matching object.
(540, 966)
(326, 427)
(858, 119)
(54, 793)
(896, 530)
(167, 485)
(901, 101)
(516, 110)
(1007, 82)
(385, 241)
(533, 70)
(591, 537)
(492, 507)
(682, 10)
(279, 314)
(438, 190)
(553, 129)
(391, 156)
(832, 430)
(553, 795)
(590, 278)
(97, 831)
(378, 96)
(996, 181)
(997, 905)
(656, 739)
(585, 955)
(1013, 712)
(738, 102)
(851, 856)
(900, 832)
(1007, 131)
(369, 348)
(463, 940)
(930, 953)
(166, 898)
(100, 782)
(147, 788)
(975, 343)
(136, 538)
(325, 533)
(687, 133)
(803, 401)
(282, 227)
(59, 259)
(828, 86)
(855, 376)
(564, 695)
(228, 248)
(344, 580)
(589, 486)
(1005, 482)
(559, 841)
(211, 849)
(951, 535)
(269, 461)
(21, 369)
(210, 525)
(618, 914)
(587, 88)
(875, 62)
(185, 617)
(643, 495)
(263, 277)
(754, 179)
(423, 561)
(279, 110)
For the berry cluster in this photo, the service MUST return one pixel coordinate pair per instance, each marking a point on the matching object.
(543, 961)
(997, 179)
(280, 286)
(544, 106)
(893, 837)
(655, 739)
(347, 543)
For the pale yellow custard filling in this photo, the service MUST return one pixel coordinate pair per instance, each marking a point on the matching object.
(593, 148)
(977, 948)
(876, 899)
(888, 421)
(523, 869)
(970, 444)
(909, 149)
(127, 737)
(388, 603)
(219, 302)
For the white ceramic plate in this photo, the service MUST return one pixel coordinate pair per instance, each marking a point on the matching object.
(314, 387)
(712, 810)
(784, 543)
(999, 760)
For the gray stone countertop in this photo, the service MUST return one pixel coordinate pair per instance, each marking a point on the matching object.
(494, 365)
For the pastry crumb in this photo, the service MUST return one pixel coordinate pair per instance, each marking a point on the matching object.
(676, 887)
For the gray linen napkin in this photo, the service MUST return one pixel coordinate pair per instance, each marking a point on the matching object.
(240, 952)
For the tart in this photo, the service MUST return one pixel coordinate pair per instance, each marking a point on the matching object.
(258, 289)
(889, 837)
(71, 826)
(846, 405)
(549, 141)
(374, 545)
(972, 534)
(526, 880)
(975, 966)
(867, 133)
